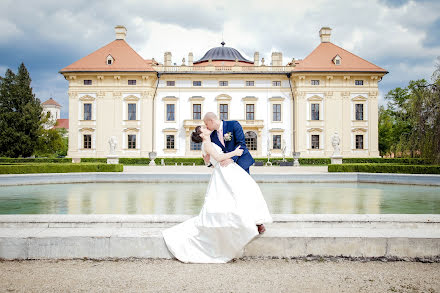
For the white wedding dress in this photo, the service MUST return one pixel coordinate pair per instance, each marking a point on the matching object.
(227, 222)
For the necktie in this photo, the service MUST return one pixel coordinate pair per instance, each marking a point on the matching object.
(220, 136)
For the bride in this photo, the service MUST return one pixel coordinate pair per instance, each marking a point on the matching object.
(227, 221)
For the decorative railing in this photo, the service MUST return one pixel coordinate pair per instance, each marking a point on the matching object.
(184, 68)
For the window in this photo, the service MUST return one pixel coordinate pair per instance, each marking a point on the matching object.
(359, 142)
(195, 146)
(276, 83)
(224, 111)
(276, 112)
(170, 112)
(170, 141)
(277, 142)
(250, 111)
(315, 82)
(87, 141)
(359, 82)
(131, 141)
(223, 83)
(87, 82)
(132, 82)
(250, 83)
(359, 111)
(87, 111)
(171, 83)
(197, 111)
(197, 83)
(337, 61)
(131, 111)
(250, 138)
(315, 141)
(109, 61)
(315, 111)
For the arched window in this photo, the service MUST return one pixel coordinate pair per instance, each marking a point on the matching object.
(251, 140)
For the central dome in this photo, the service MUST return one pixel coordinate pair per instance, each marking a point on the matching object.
(223, 54)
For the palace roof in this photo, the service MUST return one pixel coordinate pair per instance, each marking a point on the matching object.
(322, 59)
(223, 54)
(51, 102)
(62, 123)
(124, 59)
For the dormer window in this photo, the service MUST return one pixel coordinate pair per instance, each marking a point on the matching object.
(337, 60)
(110, 60)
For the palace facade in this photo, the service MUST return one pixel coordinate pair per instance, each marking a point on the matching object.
(152, 107)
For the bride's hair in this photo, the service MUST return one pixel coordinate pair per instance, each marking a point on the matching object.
(195, 135)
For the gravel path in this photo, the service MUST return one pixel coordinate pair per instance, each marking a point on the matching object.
(144, 275)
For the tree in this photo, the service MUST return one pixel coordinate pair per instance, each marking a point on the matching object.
(410, 125)
(50, 141)
(20, 114)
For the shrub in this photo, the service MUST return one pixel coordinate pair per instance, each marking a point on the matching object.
(385, 168)
(35, 160)
(400, 161)
(59, 168)
(94, 160)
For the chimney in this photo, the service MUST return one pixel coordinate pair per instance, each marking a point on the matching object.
(121, 32)
(256, 59)
(324, 34)
(190, 59)
(277, 59)
(167, 59)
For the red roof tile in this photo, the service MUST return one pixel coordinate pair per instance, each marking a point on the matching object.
(125, 59)
(321, 59)
(62, 123)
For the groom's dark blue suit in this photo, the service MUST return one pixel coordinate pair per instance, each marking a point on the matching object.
(245, 160)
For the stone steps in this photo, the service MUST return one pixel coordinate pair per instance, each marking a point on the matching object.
(407, 237)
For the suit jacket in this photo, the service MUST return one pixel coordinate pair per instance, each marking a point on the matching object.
(245, 160)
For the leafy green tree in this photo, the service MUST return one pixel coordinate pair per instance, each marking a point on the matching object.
(20, 114)
(410, 125)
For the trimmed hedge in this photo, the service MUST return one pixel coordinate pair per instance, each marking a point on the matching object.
(35, 160)
(274, 161)
(59, 168)
(385, 168)
(399, 161)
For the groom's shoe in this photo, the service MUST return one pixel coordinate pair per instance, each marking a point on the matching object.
(261, 229)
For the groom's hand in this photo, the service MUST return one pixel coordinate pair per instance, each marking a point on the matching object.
(226, 162)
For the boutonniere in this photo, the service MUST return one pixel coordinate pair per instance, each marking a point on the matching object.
(227, 136)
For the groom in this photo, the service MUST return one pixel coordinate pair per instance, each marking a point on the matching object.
(228, 135)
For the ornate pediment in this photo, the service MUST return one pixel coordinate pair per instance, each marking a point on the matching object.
(359, 129)
(314, 130)
(223, 97)
(250, 98)
(170, 98)
(315, 98)
(197, 98)
(359, 98)
(86, 129)
(87, 98)
(131, 98)
(131, 129)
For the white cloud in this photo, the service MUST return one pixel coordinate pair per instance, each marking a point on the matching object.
(391, 36)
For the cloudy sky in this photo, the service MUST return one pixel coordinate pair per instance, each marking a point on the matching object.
(400, 36)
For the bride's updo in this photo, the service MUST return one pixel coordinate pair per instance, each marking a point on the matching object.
(195, 135)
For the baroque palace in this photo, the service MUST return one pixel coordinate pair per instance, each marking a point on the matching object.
(151, 107)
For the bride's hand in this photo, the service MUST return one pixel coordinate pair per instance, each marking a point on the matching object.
(238, 151)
